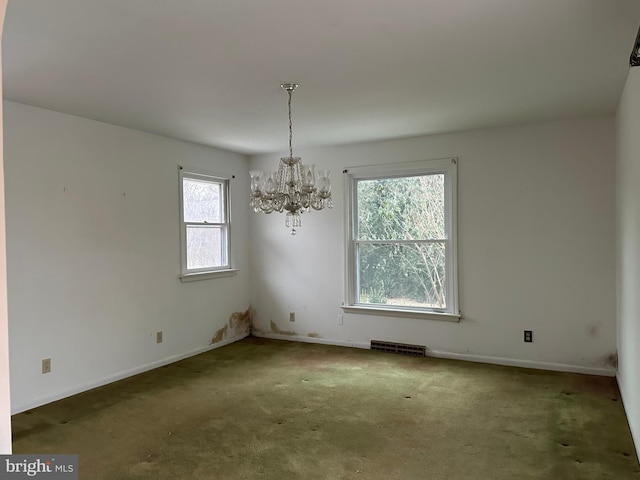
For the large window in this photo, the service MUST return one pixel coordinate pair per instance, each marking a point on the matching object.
(204, 223)
(402, 238)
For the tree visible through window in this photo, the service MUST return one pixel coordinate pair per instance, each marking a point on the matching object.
(402, 244)
(204, 223)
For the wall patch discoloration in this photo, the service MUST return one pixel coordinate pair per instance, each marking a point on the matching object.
(219, 335)
(313, 335)
(255, 329)
(239, 324)
(276, 329)
(611, 360)
(592, 329)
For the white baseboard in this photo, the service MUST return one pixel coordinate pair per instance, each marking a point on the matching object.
(121, 375)
(510, 362)
(513, 362)
(634, 435)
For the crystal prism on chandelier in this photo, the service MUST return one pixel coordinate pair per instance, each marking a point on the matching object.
(295, 187)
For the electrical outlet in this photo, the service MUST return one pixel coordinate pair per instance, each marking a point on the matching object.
(159, 337)
(292, 316)
(46, 365)
(528, 336)
(340, 319)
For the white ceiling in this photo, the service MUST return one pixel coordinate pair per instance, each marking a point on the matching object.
(209, 71)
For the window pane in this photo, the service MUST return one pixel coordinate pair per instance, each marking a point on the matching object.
(406, 208)
(405, 274)
(205, 247)
(202, 201)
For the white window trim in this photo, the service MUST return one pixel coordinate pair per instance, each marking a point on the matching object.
(205, 273)
(448, 166)
(195, 277)
(396, 311)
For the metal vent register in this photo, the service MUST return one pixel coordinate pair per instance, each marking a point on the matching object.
(401, 348)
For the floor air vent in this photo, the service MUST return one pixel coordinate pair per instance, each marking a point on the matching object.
(401, 348)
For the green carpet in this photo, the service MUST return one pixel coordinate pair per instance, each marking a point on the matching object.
(266, 409)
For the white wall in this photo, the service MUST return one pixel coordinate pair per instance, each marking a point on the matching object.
(5, 400)
(93, 272)
(628, 229)
(536, 248)
(93, 252)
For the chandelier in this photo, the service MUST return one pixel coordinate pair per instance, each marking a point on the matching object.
(294, 187)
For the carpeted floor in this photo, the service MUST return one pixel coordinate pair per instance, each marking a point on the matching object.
(263, 409)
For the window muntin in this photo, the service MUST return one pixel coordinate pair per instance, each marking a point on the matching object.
(205, 222)
(402, 237)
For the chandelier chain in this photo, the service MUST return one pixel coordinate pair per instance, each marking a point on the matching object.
(290, 127)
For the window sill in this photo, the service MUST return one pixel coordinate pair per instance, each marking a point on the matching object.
(195, 277)
(401, 312)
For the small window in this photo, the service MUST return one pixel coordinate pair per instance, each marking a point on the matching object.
(204, 222)
(402, 238)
